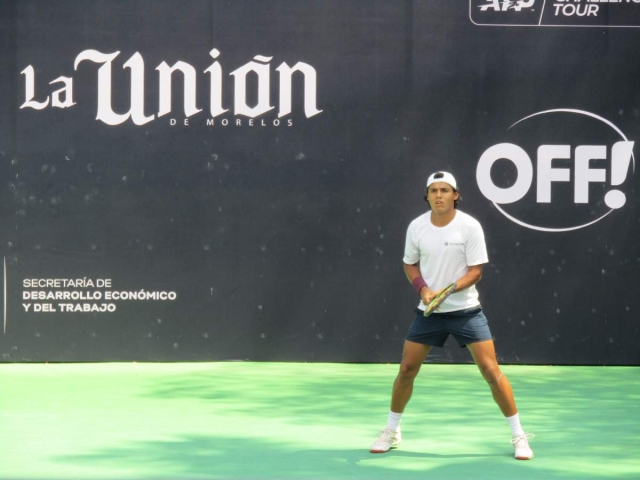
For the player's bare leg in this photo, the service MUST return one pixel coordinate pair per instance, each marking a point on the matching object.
(484, 355)
(412, 357)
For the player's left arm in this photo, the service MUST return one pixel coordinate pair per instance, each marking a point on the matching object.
(473, 276)
(476, 255)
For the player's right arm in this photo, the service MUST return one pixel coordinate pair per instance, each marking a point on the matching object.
(413, 272)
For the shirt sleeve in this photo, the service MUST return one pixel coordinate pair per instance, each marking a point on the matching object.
(411, 250)
(476, 251)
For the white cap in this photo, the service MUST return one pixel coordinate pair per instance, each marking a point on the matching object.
(442, 177)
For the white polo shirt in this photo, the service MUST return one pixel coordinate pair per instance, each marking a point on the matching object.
(445, 255)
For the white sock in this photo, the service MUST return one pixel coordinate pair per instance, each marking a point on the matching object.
(393, 422)
(514, 423)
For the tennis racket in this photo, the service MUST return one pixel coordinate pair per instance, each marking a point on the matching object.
(438, 299)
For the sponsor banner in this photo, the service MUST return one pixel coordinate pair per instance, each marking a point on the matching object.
(556, 13)
(214, 180)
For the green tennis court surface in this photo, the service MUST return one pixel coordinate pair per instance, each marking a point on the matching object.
(310, 421)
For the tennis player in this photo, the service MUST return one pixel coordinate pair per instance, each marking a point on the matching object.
(444, 246)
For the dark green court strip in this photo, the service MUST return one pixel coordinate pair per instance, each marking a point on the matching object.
(310, 421)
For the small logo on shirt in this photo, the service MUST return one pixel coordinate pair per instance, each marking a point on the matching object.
(454, 244)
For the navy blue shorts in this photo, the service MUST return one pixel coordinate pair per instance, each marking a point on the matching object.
(467, 326)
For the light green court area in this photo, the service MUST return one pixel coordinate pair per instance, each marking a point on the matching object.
(310, 421)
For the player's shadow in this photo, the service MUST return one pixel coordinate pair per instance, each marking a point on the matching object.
(249, 458)
(404, 453)
(354, 456)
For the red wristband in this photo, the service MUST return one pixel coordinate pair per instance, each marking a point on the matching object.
(418, 283)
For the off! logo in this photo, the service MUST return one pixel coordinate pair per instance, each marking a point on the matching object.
(571, 179)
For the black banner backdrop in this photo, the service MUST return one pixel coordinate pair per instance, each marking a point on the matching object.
(213, 180)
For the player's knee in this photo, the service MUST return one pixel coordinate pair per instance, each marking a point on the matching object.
(491, 373)
(408, 370)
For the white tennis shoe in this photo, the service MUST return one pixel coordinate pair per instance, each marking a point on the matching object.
(521, 446)
(388, 439)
